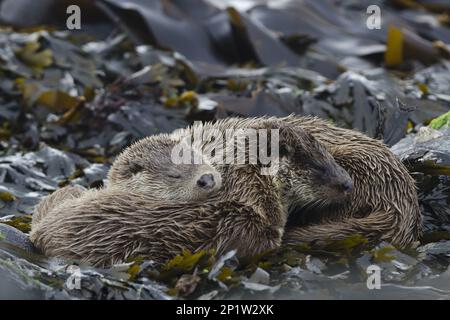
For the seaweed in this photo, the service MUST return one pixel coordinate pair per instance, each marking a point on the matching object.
(439, 122)
(22, 223)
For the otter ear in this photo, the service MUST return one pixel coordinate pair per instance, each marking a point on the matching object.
(294, 138)
(286, 150)
(135, 167)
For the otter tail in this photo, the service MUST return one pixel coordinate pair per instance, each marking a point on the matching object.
(51, 201)
(379, 225)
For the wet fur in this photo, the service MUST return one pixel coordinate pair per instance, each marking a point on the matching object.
(383, 204)
(110, 225)
(125, 219)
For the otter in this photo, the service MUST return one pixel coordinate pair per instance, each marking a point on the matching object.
(334, 183)
(154, 209)
(383, 204)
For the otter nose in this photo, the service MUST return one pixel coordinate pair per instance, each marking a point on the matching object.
(347, 186)
(206, 181)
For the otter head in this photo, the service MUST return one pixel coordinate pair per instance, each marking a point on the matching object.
(147, 167)
(310, 176)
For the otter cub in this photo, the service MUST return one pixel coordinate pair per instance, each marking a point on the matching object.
(154, 208)
(383, 204)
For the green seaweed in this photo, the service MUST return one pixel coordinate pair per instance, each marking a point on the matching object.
(431, 167)
(439, 122)
(31, 55)
(187, 260)
(134, 270)
(435, 236)
(382, 254)
(225, 274)
(347, 245)
(7, 196)
(22, 223)
(184, 263)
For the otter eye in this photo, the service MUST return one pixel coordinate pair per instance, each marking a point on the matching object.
(135, 168)
(174, 175)
(321, 169)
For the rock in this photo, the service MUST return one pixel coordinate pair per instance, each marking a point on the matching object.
(435, 250)
(260, 287)
(209, 295)
(427, 156)
(260, 276)
(426, 148)
(314, 265)
(16, 238)
(227, 258)
(187, 284)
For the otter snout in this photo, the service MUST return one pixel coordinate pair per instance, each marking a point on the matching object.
(206, 181)
(337, 185)
(347, 186)
(342, 181)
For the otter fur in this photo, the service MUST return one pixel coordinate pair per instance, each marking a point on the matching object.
(248, 213)
(383, 204)
(153, 208)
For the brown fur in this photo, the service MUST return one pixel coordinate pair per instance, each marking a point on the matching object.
(136, 214)
(146, 167)
(56, 198)
(249, 211)
(383, 204)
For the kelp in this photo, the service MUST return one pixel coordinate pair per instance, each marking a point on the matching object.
(67, 113)
(394, 47)
(33, 57)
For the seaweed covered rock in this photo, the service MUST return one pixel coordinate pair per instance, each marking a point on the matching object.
(427, 155)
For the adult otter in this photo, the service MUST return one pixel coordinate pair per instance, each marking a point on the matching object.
(134, 215)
